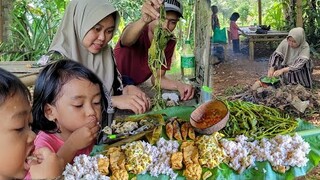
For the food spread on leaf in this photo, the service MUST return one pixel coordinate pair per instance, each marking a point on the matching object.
(254, 133)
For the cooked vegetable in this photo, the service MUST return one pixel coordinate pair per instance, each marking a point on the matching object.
(256, 121)
(157, 59)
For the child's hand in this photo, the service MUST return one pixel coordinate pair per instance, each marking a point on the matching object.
(47, 166)
(85, 135)
(150, 10)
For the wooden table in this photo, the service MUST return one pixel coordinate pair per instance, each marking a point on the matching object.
(23, 70)
(253, 37)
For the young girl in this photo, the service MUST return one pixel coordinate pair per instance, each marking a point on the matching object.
(16, 137)
(214, 18)
(83, 36)
(68, 106)
(234, 34)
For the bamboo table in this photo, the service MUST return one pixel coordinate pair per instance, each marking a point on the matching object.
(253, 37)
(23, 70)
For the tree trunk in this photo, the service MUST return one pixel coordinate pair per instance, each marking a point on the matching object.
(299, 22)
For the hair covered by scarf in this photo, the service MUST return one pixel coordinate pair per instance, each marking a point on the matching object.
(80, 16)
(292, 54)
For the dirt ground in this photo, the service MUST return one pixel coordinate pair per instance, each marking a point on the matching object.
(238, 72)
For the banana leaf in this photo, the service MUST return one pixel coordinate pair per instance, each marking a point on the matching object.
(261, 170)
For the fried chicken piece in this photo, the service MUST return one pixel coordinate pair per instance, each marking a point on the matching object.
(184, 130)
(103, 165)
(176, 130)
(176, 160)
(190, 153)
(191, 133)
(195, 155)
(117, 159)
(193, 172)
(169, 130)
(121, 174)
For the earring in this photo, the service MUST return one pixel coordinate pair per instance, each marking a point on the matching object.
(57, 125)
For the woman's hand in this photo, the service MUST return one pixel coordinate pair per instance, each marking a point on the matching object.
(150, 10)
(270, 72)
(132, 102)
(278, 72)
(134, 90)
(48, 165)
(186, 91)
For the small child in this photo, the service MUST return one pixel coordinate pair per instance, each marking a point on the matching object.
(16, 137)
(68, 107)
(234, 34)
(214, 18)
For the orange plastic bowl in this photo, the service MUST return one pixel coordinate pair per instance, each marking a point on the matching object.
(210, 117)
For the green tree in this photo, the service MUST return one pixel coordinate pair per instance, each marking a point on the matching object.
(33, 25)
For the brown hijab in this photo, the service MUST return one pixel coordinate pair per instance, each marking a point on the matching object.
(80, 16)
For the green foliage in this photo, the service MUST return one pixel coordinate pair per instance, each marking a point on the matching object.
(311, 17)
(33, 25)
(244, 11)
(274, 16)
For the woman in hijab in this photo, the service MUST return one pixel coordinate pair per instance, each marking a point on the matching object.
(83, 35)
(291, 60)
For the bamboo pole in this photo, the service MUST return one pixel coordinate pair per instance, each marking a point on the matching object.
(299, 21)
(1, 21)
(260, 12)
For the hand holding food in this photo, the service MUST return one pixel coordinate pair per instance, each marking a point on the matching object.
(150, 10)
(47, 166)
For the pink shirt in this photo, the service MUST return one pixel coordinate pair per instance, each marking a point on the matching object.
(133, 61)
(234, 33)
(28, 176)
(54, 143)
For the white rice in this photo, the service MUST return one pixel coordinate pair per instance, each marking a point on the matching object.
(84, 167)
(161, 155)
(282, 150)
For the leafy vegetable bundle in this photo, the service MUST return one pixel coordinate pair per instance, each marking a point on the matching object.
(270, 80)
(256, 121)
(157, 59)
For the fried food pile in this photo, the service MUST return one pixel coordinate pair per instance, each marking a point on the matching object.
(179, 129)
(117, 164)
